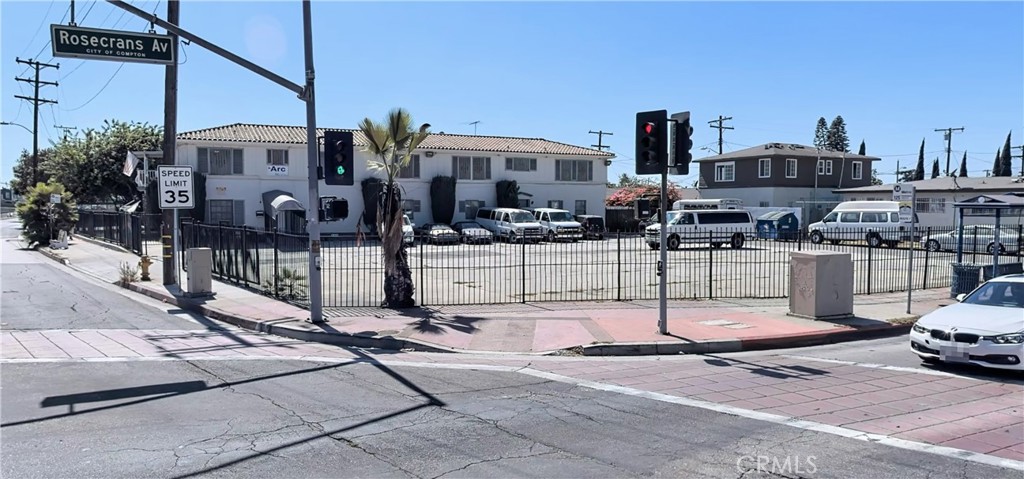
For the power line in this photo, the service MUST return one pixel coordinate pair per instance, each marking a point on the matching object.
(36, 101)
(40, 27)
(98, 93)
(600, 135)
(949, 143)
(40, 52)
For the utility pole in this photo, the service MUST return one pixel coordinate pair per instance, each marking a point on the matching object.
(600, 135)
(899, 171)
(1021, 156)
(168, 232)
(949, 143)
(36, 101)
(66, 129)
(720, 127)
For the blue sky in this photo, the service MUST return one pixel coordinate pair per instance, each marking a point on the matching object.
(894, 71)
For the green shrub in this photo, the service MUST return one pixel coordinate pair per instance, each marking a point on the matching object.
(36, 213)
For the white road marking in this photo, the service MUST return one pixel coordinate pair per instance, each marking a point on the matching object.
(880, 366)
(710, 406)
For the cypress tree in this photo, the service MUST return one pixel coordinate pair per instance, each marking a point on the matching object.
(919, 172)
(963, 166)
(935, 169)
(862, 151)
(996, 167)
(1006, 159)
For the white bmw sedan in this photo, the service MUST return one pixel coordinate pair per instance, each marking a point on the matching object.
(986, 327)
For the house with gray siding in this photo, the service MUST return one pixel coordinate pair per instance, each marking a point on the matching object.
(784, 175)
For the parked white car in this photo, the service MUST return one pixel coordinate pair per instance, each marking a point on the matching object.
(876, 222)
(980, 238)
(512, 224)
(716, 227)
(985, 327)
(558, 224)
(408, 233)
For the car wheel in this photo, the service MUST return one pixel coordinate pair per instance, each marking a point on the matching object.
(992, 248)
(511, 236)
(932, 245)
(874, 240)
(673, 242)
(551, 236)
(833, 242)
(652, 246)
(600, 237)
(716, 245)
(892, 244)
(737, 241)
(817, 237)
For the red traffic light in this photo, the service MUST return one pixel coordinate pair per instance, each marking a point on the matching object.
(648, 127)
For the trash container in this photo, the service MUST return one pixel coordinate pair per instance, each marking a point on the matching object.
(966, 277)
(1003, 269)
(778, 225)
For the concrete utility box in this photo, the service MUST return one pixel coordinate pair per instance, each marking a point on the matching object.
(820, 284)
(199, 262)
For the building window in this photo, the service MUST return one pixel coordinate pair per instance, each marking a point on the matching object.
(524, 202)
(930, 205)
(791, 168)
(858, 170)
(581, 207)
(230, 212)
(411, 207)
(828, 168)
(521, 164)
(221, 161)
(764, 204)
(764, 168)
(557, 204)
(574, 170)
(412, 170)
(469, 207)
(471, 167)
(725, 172)
(277, 157)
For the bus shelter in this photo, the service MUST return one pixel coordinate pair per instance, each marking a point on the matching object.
(1005, 210)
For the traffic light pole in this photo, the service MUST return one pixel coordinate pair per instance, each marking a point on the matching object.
(663, 276)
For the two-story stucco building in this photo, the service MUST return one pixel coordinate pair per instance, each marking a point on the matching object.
(248, 165)
(935, 197)
(784, 175)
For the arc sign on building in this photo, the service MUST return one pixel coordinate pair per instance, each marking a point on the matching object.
(113, 45)
(176, 187)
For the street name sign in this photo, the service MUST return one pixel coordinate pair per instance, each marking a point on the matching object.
(176, 187)
(113, 45)
(904, 194)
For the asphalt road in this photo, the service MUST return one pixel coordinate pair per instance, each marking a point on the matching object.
(41, 294)
(297, 419)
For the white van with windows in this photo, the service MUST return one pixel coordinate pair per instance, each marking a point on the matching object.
(558, 224)
(876, 222)
(713, 204)
(512, 224)
(715, 227)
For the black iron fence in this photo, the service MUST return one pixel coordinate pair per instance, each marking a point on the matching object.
(128, 230)
(621, 267)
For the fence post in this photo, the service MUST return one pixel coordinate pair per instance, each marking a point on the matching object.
(924, 282)
(245, 254)
(711, 265)
(618, 266)
(423, 294)
(974, 246)
(523, 271)
(869, 268)
(276, 286)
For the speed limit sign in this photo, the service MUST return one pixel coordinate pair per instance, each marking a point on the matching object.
(176, 187)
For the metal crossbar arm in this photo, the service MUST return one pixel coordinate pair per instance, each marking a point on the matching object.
(263, 72)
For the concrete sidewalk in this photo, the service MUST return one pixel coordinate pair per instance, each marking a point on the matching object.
(594, 328)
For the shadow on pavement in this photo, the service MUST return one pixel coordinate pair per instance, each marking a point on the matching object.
(778, 371)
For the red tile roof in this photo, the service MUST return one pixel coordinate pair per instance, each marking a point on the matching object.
(251, 133)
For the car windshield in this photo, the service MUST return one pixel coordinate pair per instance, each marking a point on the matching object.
(560, 216)
(999, 293)
(405, 220)
(522, 217)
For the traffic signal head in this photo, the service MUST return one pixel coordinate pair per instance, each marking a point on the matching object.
(651, 142)
(682, 141)
(338, 158)
(338, 209)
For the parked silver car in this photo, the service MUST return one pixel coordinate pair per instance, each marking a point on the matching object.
(977, 239)
(471, 232)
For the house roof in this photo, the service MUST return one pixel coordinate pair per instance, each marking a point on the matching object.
(296, 135)
(949, 183)
(789, 150)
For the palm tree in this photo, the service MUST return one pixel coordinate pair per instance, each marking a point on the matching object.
(391, 143)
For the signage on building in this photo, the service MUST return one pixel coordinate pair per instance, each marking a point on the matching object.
(176, 187)
(904, 195)
(277, 170)
(113, 45)
(55, 199)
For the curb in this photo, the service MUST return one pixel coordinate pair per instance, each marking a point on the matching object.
(101, 243)
(49, 253)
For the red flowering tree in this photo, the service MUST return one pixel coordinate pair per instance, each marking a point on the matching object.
(626, 195)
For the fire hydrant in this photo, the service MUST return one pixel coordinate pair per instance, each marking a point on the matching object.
(144, 264)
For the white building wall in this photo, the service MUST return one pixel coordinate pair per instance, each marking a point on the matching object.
(256, 180)
(936, 208)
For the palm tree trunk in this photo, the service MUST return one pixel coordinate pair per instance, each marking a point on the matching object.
(398, 285)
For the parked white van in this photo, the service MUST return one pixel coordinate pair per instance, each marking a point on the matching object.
(512, 224)
(876, 222)
(716, 227)
(558, 224)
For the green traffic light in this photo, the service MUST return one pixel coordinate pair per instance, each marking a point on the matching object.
(341, 170)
